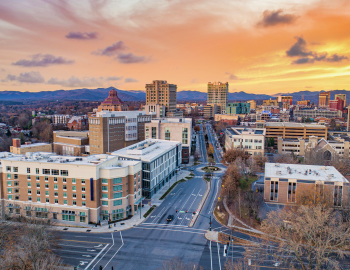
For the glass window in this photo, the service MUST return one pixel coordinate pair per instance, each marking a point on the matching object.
(104, 202)
(64, 172)
(56, 200)
(29, 198)
(65, 187)
(167, 133)
(9, 190)
(46, 171)
(64, 201)
(55, 186)
(55, 172)
(117, 188)
(15, 169)
(117, 202)
(154, 133)
(83, 203)
(74, 202)
(46, 185)
(46, 193)
(74, 188)
(104, 181)
(55, 179)
(29, 184)
(56, 194)
(83, 189)
(38, 192)
(104, 188)
(74, 180)
(28, 170)
(117, 180)
(74, 195)
(82, 219)
(38, 199)
(8, 168)
(46, 178)
(65, 194)
(47, 200)
(82, 181)
(105, 195)
(117, 195)
(38, 185)
(37, 170)
(9, 183)
(64, 180)
(28, 177)
(83, 196)
(8, 176)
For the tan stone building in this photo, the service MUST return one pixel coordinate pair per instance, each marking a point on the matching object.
(113, 103)
(284, 181)
(162, 93)
(72, 143)
(270, 102)
(110, 131)
(218, 95)
(17, 148)
(172, 129)
(209, 111)
(324, 99)
(252, 104)
(69, 189)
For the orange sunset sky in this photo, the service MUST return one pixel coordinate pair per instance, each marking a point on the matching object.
(258, 46)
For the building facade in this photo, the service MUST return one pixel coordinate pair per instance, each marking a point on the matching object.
(113, 103)
(160, 159)
(284, 181)
(71, 143)
(69, 189)
(110, 131)
(78, 123)
(342, 97)
(285, 99)
(209, 111)
(238, 108)
(162, 93)
(250, 140)
(324, 99)
(172, 129)
(218, 95)
(17, 148)
(252, 104)
(313, 113)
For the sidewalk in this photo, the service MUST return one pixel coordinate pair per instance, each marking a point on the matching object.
(124, 224)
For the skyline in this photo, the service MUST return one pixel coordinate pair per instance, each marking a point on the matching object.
(262, 48)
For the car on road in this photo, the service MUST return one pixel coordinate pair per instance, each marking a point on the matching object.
(170, 218)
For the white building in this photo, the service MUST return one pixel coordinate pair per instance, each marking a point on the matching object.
(159, 158)
(251, 140)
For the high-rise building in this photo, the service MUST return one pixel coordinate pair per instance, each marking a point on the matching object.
(161, 93)
(252, 104)
(324, 99)
(336, 105)
(110, 131)
(218, 95)
(342, 97)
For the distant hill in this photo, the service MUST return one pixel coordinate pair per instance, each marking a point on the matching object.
(101, 94)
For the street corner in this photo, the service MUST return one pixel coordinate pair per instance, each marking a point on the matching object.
(212, 236)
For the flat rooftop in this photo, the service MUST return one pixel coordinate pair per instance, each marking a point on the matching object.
(304, 172)
(33, 145)
(246, 131)
(146, 150)
(45, 157)
(291, 124)
(172, 120)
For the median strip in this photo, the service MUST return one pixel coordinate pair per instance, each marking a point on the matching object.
(171, 188)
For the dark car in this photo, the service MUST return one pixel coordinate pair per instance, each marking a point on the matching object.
(170, 218)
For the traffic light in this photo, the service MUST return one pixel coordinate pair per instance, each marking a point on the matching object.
(176, 210)
(186, 211)
(194, 213)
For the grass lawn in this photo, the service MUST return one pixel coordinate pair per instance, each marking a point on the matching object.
(246, 185)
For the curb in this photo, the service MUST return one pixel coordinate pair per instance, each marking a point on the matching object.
(202, 202)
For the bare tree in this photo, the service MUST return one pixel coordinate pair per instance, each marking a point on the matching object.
(230, 181)
(232, 154)
(304, 238)
(285, 158)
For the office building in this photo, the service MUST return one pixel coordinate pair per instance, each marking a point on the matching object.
(162, 93)
(71, 143)
(17, 148)
(336, 105)
(113, 103)
(218, 95)
(284, 116)
(284, 181)
(69, 189)
(172, 129)
(250, 140)
(270, 102)
(303, 102)
(110, 131)
(342, 97)
(285, 99)
(59, 119)
(160, 160)
(209, 111)
(324, 99)
(226, 118)
(238, 108)
(313, 113)
(252, 104)
(156, 110)
(289, 130)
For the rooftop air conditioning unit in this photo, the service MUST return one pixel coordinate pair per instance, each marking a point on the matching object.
(277, 165)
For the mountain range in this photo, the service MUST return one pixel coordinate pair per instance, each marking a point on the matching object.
(101, 94)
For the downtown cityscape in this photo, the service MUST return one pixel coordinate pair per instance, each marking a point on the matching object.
(174, 135)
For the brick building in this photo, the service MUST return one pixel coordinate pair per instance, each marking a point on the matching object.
(78, 123)
(113, 103)
(73, 143)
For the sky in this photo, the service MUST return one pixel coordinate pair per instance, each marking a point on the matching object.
(258, 46)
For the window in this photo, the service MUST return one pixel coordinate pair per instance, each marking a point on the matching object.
(55, 186)
(117, 195)
(38, 192)
(8, 176)
(37, 170)
(55, 172)
(46, 171)
(83, 196)
(29, 184)
(82, 219)
(104, 188)
(64, 201)
(65, 194)
(46, 178)
(56, 194)
(104, 202)
(64, 180)
(28, 177)
(104, 195)
(117, 180)
(65, 217)
(16, 183)
(104, 181)
(46, 193)
(74, 188)
(117, 202)
(274, 191)
(74, 202)
(38, 199)
(65, 187)
(56, 200)
(64, 172)
(55, 179)
(154, 133)
(83, 181)
(83, 189)
(37, 178)
(47, 200)
(73, 181)
(9, 197)
(38, 185)
(8, 168)
(9, 190)
(9, 183)
(28, 170)
(46, 185)
(74, 195)
(15, 169)
(167, 134)
(117, 188)
(15, 176)
(83, 203)
(29, 191)
(29, 198)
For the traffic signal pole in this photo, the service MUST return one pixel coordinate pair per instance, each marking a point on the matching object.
(205, 217)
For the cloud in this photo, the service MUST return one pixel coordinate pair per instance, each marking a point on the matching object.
(40, 60)
(82, 35)
(130, 80)
(77, 82)
(114, 78)
(271, 18)
(27, 77)
(299, 49)
(111, 50)
(2, 70)
(309, 87)
(232, 76)
(130, 58)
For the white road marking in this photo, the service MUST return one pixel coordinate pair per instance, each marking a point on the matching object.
(104, 254)
(161, 229)
(82, 263)
(95, 257)
(91, 250)
(80, 236)
(72, 246)
(219, 254)
(116, 251)
(88, 256)
(100, 245)
(211, 259)
(169, 225)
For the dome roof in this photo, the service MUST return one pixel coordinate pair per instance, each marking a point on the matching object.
(113, 98)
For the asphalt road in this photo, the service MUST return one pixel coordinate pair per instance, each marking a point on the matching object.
(154, 241)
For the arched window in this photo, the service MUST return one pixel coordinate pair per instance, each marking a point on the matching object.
(327, 155)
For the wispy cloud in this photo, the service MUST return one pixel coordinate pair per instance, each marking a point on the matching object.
(231, 76)
(130, 80)
(114, 78)
(130, 58)
(82, 35)
(111, 50)
(74, 81)
(275, 17)
(43, 60)
(27, 77)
